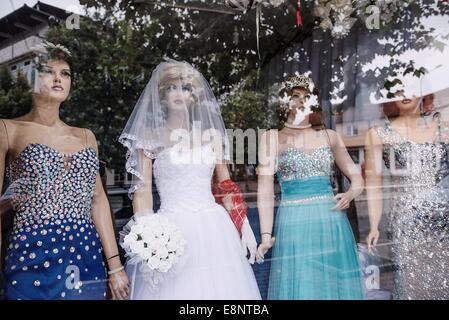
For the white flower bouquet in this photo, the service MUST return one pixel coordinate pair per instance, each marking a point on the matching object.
(155, 244)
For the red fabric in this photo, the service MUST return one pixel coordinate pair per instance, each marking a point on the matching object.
(298, 15)
(239, 210)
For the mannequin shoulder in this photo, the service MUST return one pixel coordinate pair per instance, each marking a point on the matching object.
(4, 145)
(9, 127)
(333, 136)
(444, 127)
(373, 136)
(331, 133)
(84, 134)
(91, 138)
(13, 124)
(270, 135)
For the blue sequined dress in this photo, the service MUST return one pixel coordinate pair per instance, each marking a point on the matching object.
(54, 251)
(314, 256)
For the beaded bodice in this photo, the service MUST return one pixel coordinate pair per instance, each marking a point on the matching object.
(47, 191)
(296, 164)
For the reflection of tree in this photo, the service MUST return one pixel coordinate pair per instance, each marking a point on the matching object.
(246, 109)
(408, 32)
(15, 94)
(202, 28)
(108, 78)
(115, 52)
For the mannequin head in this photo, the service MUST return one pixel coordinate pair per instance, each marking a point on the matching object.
(428, 103)
(402, 107)
(178, 87)
(299, 98)
(297, 114)
(54, 82)
(54, 68)
(416, 106)
(408, 106)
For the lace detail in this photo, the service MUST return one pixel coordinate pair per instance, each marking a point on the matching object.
(212, 266)
(183, 179)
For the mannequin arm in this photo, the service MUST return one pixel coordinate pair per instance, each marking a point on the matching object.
(102, 219)
(346, 164)
(265, 191)
(143, 197)
(373, 146)
(3, 152)
(229, 194)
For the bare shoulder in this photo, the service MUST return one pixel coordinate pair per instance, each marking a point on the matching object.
(373, 132)
(10, 124)
(372, 136)
(86, 135)
(7, 128)
(268, 143)
(269, 136)
(270, 133)
(91, 139)
(444, 131)
(3, 123)
(4, 145)
(18, 122)
(21, 118)
(333, 135)
(331, 132)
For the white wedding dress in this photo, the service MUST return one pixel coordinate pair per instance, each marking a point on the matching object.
(213, 266)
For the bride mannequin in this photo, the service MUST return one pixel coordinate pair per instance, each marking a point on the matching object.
(177, 122)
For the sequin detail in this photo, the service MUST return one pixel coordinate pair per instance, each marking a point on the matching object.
(307, 200)
(314, 256)
(53, 204)
(295, 164)
(418, 215)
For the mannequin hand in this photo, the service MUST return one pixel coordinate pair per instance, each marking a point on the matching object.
(228, 202)
(343, 200)
(141, 214)
(248, 241)
(119, 285)
(372, 239)
(266, 245)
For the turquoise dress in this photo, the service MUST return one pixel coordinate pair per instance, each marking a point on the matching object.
(315, 255)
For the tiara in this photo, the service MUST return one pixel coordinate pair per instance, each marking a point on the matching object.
(53, 48)
(297, 81)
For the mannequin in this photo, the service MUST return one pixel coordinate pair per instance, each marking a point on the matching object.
(42, 134)
(184, 113)
(414, 150)
(301, 157)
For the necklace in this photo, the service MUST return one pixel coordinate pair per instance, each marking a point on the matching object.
(291, 126)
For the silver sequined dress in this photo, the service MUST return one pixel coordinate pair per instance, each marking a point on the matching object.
(419, 214)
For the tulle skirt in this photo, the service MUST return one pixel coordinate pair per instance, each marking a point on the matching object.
(314, 256)
(213, 266)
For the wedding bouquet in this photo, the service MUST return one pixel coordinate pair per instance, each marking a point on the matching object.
(154, 244)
